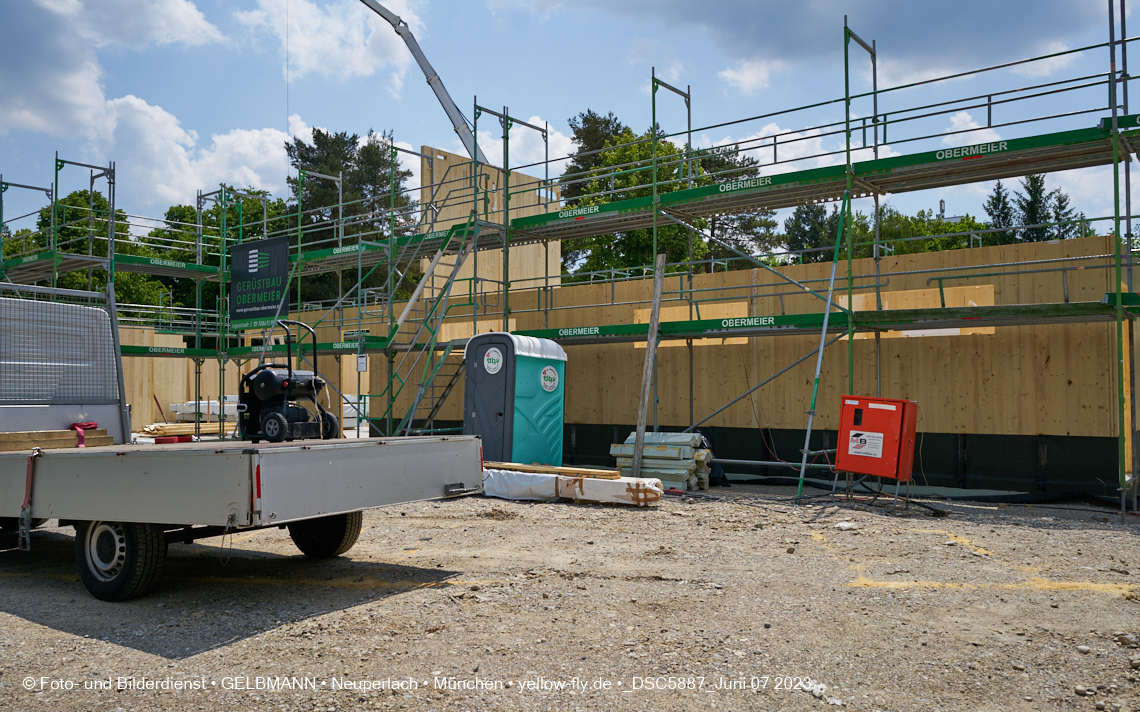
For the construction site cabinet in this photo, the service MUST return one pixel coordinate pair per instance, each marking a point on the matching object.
(876, 437)
(514, 397)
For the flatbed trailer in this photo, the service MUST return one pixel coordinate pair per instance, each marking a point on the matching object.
(128, 502)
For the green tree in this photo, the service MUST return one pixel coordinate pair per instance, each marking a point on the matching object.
(751, 232)
(1061, 211)
(1000, 212)
(82, 224)
(592, 132)
(811, 228)
(614, 180)
(245, 220)
(1033, 208)
(366, 166)
(934, 233)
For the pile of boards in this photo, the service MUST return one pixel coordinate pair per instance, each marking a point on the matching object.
(164, 430)
(676, 459)
(50, 439)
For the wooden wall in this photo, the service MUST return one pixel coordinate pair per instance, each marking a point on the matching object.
(170, 379)
(454, 200)
(1023, 380)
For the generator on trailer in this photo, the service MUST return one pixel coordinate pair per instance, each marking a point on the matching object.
(269, 400)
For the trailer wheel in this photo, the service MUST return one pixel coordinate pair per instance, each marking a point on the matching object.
(330, 426)
(326, 537)
(273, 427)
(118, 560)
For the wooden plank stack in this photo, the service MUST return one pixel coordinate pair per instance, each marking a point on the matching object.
(674, 458)
(52, 439)
(158, 430)
(590, 472)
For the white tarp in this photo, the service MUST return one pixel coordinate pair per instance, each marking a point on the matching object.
(509, 484)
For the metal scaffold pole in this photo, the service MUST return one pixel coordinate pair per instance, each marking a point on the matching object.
(823, 342)
(1122, 424)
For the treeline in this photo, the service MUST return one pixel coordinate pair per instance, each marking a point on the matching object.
(365, 165)
(604, 169)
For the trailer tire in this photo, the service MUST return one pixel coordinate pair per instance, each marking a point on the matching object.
(326, 537)
(118, 560)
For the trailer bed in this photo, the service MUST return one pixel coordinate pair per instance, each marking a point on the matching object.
(237, 484)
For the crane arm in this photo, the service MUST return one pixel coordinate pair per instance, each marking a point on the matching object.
(433, 80)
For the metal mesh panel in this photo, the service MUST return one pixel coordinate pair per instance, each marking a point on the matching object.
(56, 353)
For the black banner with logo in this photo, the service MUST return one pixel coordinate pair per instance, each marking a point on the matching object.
(259, 276)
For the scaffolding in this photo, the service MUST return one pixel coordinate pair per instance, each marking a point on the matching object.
(880, 146)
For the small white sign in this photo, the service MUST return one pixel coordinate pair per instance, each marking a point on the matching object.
(865, 444)
(549, 379)
(361, 363)
(493, 360)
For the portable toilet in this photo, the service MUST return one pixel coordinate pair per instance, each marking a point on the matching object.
(514, 396)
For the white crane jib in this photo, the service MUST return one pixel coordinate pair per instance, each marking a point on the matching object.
(433, 80)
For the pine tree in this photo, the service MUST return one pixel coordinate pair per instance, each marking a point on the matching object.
(1000, 212)
(592, 132)
(366, 167)
(750, 232)
(811, 228)
(1062, 212)
(1033, 208)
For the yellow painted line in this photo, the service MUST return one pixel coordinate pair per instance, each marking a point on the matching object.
(1035, 583)
(957, 539)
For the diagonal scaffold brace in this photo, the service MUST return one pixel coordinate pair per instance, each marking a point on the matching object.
(823, 338)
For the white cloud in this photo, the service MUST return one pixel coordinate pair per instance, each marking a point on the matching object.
(135, 24)
(526, 148)
(50, 75)
(341, 40)
(1046, 67)
(962, 121)
(160, 163)
(749, 77)
(652, 52)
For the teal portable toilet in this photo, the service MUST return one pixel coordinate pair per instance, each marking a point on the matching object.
(514, 397)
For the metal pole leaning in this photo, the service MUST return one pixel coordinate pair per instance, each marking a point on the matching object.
(822, 342)
(650, 358)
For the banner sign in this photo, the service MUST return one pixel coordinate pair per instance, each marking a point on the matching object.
(259, 276)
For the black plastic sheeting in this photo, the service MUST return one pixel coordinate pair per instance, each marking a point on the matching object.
(943, 493)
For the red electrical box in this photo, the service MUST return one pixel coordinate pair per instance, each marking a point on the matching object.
(876, 437)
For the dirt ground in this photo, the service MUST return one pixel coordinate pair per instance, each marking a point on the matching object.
(740, 601)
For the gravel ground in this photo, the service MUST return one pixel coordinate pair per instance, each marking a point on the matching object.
(478, 604)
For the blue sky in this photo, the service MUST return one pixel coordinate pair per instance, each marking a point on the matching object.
(183, 94)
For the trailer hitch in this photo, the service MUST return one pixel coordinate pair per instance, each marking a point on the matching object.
(457, 490)
(25, 540)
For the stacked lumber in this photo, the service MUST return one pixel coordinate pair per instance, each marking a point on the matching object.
(51, 439)
(590, 472)
(674, 458)
(162, 430)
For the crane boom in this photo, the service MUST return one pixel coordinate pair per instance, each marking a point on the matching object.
(433, 80)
